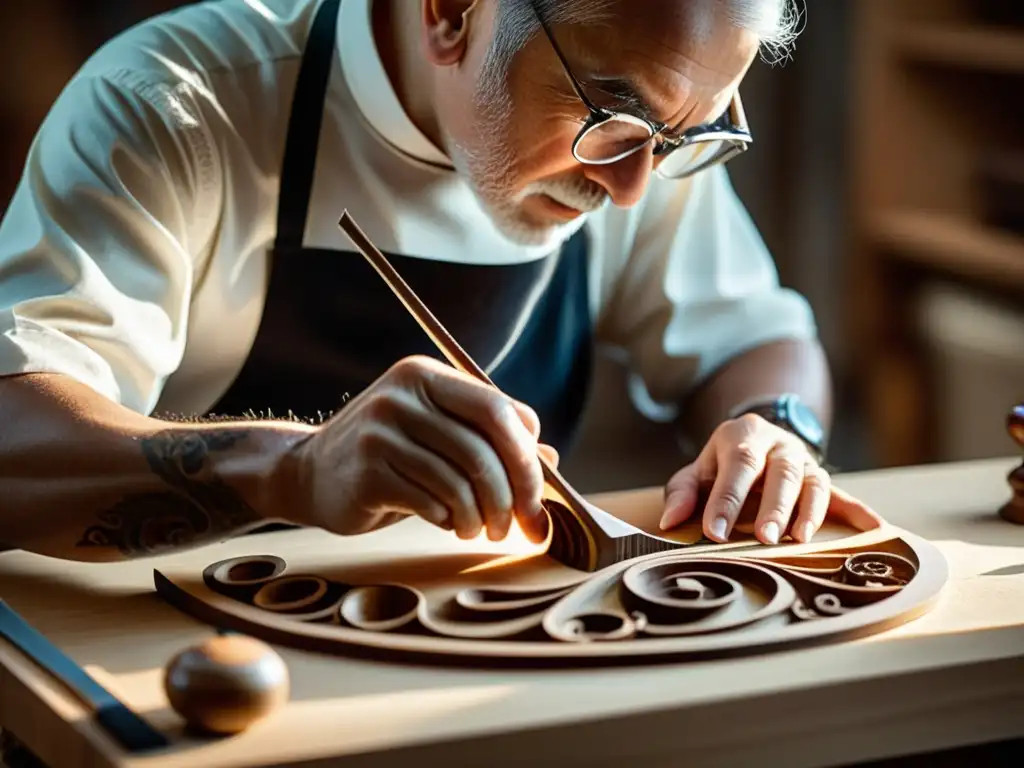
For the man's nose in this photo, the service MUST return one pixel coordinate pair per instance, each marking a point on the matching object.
(626, 180)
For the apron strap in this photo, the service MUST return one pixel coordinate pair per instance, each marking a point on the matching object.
(304, 126)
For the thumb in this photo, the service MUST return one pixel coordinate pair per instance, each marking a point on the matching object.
(529, 417)
(681, 496)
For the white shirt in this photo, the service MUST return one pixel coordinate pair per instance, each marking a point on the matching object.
(133, 256)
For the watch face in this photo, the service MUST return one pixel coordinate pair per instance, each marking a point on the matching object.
(804, 421)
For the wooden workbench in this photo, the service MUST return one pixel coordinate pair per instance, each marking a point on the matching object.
(953, 677)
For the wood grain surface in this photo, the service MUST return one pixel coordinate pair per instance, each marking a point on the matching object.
(954, 676)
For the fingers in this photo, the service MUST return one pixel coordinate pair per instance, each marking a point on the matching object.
(549, 453)
(856, 513)
(500, 423)
(763, 474)
(407, 495)
(820, 499)
(452, 498)
(783, 486)
(465, 472)
(682, 494)
(814, 501)
(741, 459)
(529, 418)
(759, 465)
(487, 436)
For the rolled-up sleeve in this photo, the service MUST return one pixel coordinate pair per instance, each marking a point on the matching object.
(99, 246)
(698, 288)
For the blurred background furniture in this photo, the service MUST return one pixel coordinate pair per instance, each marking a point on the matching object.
(937, 259)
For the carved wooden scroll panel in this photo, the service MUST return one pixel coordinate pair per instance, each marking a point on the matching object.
(704, 601)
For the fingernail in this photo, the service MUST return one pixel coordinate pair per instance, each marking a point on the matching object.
(770, 532)
(718, 526)
(666, 518)
(671, 513)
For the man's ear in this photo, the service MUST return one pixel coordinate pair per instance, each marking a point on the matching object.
(446, 29)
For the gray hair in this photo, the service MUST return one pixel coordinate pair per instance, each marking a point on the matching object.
(777, 23)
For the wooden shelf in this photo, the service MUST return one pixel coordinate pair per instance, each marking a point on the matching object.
(937, 132)
(953, 244)
(981, 48)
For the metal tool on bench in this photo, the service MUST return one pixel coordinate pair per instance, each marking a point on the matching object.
(127, 727)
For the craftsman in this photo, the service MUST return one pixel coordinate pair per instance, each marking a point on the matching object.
(548, 175)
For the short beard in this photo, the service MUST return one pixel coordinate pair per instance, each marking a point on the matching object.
(488, 172)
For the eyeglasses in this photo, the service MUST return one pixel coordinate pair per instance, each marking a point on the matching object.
(608, 136)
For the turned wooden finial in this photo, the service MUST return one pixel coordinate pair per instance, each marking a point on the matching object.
(1013, 510)
(226, 683)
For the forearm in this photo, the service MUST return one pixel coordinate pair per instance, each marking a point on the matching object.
(82, 478)
(794, 366)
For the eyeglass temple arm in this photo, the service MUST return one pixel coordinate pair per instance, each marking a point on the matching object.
(565, 64)
(738, 114)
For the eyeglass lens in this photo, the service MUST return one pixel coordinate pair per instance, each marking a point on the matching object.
(620, 136)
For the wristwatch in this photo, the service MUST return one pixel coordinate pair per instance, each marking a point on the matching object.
(790, 413)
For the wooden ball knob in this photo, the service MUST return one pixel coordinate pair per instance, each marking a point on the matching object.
(1015, 425)
(1013, 510)
(226, 684)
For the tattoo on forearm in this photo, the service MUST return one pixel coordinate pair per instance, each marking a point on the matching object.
(196, 508)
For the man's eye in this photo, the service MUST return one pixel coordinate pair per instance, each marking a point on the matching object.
(616, 101)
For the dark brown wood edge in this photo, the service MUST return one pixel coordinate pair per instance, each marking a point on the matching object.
(1013, 510)
(914, 600)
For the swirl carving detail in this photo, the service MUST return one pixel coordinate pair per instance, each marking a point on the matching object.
(685, 602)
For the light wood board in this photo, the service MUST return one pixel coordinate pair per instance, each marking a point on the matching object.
(953, 676)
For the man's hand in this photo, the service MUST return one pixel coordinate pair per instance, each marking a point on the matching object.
(427, 440)
(749, 457)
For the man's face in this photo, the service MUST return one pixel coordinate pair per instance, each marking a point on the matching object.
(683, 60)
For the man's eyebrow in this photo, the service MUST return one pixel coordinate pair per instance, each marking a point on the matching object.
(626, 92)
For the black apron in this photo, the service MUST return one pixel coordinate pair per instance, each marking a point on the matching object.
(331, 326)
